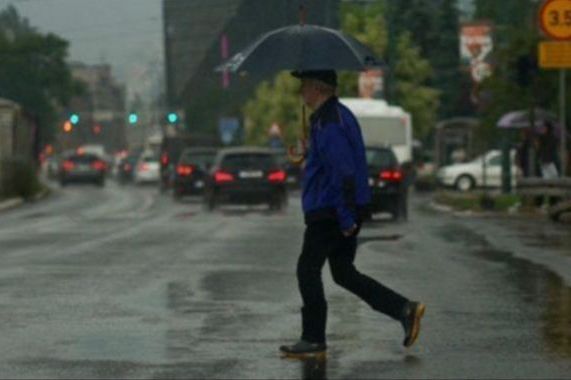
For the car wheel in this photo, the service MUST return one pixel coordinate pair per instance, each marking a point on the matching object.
(465, 183)
(276, 205)
(396, 213)
(62, 183)
(101, 183)
(211, 204)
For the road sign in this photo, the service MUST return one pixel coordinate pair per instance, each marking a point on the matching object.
(555, 54)
(555, 19)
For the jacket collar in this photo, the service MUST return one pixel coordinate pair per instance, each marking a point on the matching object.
(326, 108)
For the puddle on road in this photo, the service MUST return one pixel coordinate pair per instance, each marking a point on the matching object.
(536, 283)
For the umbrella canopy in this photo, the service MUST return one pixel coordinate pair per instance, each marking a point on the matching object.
(520, 119)
(301, 48)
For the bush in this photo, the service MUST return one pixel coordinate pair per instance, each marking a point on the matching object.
(18, 178)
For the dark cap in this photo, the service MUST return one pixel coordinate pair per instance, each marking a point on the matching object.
(326, 76)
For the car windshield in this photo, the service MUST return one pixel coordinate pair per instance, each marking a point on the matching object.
(252, 161)
(380, 158)
(83, 158)
(150, 159)
(202, 160)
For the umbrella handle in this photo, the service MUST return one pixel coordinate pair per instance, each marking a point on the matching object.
(297, 157)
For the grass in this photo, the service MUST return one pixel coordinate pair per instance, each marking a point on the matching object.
(478, 201)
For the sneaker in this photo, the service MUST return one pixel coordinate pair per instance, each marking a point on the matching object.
(304, 349)
(411, 322)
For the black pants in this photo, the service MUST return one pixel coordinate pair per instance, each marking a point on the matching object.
(323, 240)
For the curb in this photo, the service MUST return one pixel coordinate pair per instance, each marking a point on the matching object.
(11, 203)
(42, 194)
(16, 202)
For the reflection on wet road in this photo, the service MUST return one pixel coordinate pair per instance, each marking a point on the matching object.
(536, 284)
(124, 282)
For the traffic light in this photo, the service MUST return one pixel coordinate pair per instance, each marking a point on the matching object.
(97, 129)
(133, 118)
(172, 117)
(74, 118)
(67, 127)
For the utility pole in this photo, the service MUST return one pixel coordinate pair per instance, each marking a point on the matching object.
(563, 121)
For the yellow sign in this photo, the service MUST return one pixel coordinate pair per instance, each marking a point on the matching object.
(555, 19)
(555, 54)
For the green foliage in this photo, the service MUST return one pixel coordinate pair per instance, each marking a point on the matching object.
(433, 27)
(278, 101)
(516, 83)
(412, 72)
(274, 102)
(33, 71)
(367, 25)
(19, 179)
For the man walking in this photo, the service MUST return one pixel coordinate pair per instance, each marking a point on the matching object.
(335, 198)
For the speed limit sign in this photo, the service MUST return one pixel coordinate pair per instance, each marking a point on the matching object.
(555, 19)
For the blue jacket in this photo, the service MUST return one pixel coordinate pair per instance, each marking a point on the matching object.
(335, 181)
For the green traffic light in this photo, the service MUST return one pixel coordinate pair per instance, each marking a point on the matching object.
(172, 117)
(74, 119)
(133, 118)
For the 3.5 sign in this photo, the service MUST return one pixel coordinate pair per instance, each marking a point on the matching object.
(555, 19)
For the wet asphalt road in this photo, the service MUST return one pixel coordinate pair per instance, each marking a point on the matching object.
(122, 282)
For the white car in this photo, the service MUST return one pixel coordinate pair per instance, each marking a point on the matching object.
(147, 170)
(466, 176)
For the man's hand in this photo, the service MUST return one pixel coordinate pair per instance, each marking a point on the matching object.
(351, 231)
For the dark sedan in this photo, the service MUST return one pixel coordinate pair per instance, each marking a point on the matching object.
(246, 175)
(82, 168)
(192, 170)
(387, 182)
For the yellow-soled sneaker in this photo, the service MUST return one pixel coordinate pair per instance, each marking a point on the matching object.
(304, 350)
(414, 311)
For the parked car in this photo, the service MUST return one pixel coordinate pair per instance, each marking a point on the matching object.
(82, 167)
(469, 175)
(246, 175)
(191, 171)
(387, 182)
(147, 169)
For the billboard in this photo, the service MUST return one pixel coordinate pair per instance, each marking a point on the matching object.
(476, 46)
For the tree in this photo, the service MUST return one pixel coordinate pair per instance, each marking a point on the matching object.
(516, 82)
(33, 71)
(274, 102)
(368, 26)
(412, 72)
(445, 60)
(279, 102)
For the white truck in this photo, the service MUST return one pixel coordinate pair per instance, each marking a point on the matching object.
(383, 124)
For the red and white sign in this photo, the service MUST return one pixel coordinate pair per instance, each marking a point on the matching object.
(476, 46)
(371, 84)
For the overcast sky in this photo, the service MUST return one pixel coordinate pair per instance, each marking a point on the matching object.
(125, 33)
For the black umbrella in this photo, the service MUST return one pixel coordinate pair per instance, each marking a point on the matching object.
(299, 48)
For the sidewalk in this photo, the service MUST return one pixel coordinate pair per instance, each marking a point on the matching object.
(10, 203)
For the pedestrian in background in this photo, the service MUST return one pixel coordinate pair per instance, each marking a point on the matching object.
(335, 199)
(523, 152)
(547, 152)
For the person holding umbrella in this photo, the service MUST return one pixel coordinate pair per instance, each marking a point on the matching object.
(335, 189)
(335, 198)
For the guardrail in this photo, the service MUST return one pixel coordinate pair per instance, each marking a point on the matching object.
(559, 187)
